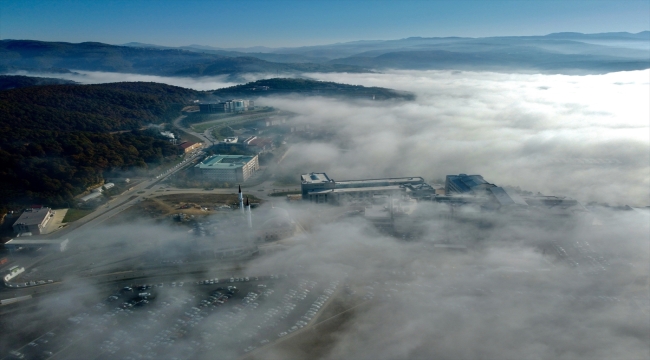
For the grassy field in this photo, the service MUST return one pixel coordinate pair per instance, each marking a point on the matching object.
(187, 136)
(162, 207)
(231, 120)
(75, 214)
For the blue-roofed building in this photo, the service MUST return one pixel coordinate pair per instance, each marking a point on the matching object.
(466, 184)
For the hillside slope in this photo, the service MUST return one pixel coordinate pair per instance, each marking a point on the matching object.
(284, 86)
(8, 82)
(56, 140)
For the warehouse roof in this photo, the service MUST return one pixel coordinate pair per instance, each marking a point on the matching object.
(33, 216)
(224, 162)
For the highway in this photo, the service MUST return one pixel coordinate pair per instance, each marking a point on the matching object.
(205, 137)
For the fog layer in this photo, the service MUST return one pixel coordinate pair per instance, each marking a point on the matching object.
(581, 136)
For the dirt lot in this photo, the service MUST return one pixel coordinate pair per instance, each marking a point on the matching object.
(161, 207)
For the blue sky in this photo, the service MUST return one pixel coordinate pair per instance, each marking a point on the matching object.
(278, 23)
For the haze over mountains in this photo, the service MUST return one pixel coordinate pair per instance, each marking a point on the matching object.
(557, 52)
(566, 53)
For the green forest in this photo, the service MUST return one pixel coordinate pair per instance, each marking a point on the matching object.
(281, 86)
(8, 82)
(56, 141)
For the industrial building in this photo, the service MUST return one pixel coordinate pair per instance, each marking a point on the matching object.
(252, 143)
(33, 220)
(466, 184)
(59, 245)
(319, 188)
(188, 146)
(229, 106)
(228, 168)
(473, 189)
(101, 188)
(93, 195)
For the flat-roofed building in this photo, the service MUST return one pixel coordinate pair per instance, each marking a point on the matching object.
(228, 168)
(32, 220)
(235, 105)
(319, 188)
(466, 184)
(188, 146)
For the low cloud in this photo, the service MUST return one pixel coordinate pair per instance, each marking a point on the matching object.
(585, 136)
(510, 295)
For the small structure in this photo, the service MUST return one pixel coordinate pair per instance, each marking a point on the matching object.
(33, 220)
(33, 244)
(188, 146)
(91, 196)
(259, 145)
(226, 168)
(253, 144)
(101, 188)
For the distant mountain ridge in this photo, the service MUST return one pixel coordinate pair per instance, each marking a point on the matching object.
(566, 52)
(33, 55)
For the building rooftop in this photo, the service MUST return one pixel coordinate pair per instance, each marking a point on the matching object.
(23, 241)
(505, 197)
(466, 183)
(90, 196)
(353, 190)
(186, 144)
(315, 178)
(33, 216)
(380, 182)
(224, 161)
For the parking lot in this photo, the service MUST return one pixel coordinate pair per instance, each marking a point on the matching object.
(185, 319)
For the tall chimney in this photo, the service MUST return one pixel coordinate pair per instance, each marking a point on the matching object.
(241, 201)
(250, 215)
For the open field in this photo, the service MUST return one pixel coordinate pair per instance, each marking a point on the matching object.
(75, 214)
(216, 119)
(160, 207)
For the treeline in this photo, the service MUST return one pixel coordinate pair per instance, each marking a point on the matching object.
(8, 82)
(97, 108)
(56, 141)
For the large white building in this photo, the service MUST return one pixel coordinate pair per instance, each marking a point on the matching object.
(228, 168)
(235, 105)
(319, 188)
(33, 220)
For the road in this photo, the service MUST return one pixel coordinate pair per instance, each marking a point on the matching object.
(205, 136)
(119, 203)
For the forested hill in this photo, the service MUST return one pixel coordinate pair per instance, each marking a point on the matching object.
(8, 82)
(99, 108)
(283, 86)
(55, 140)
